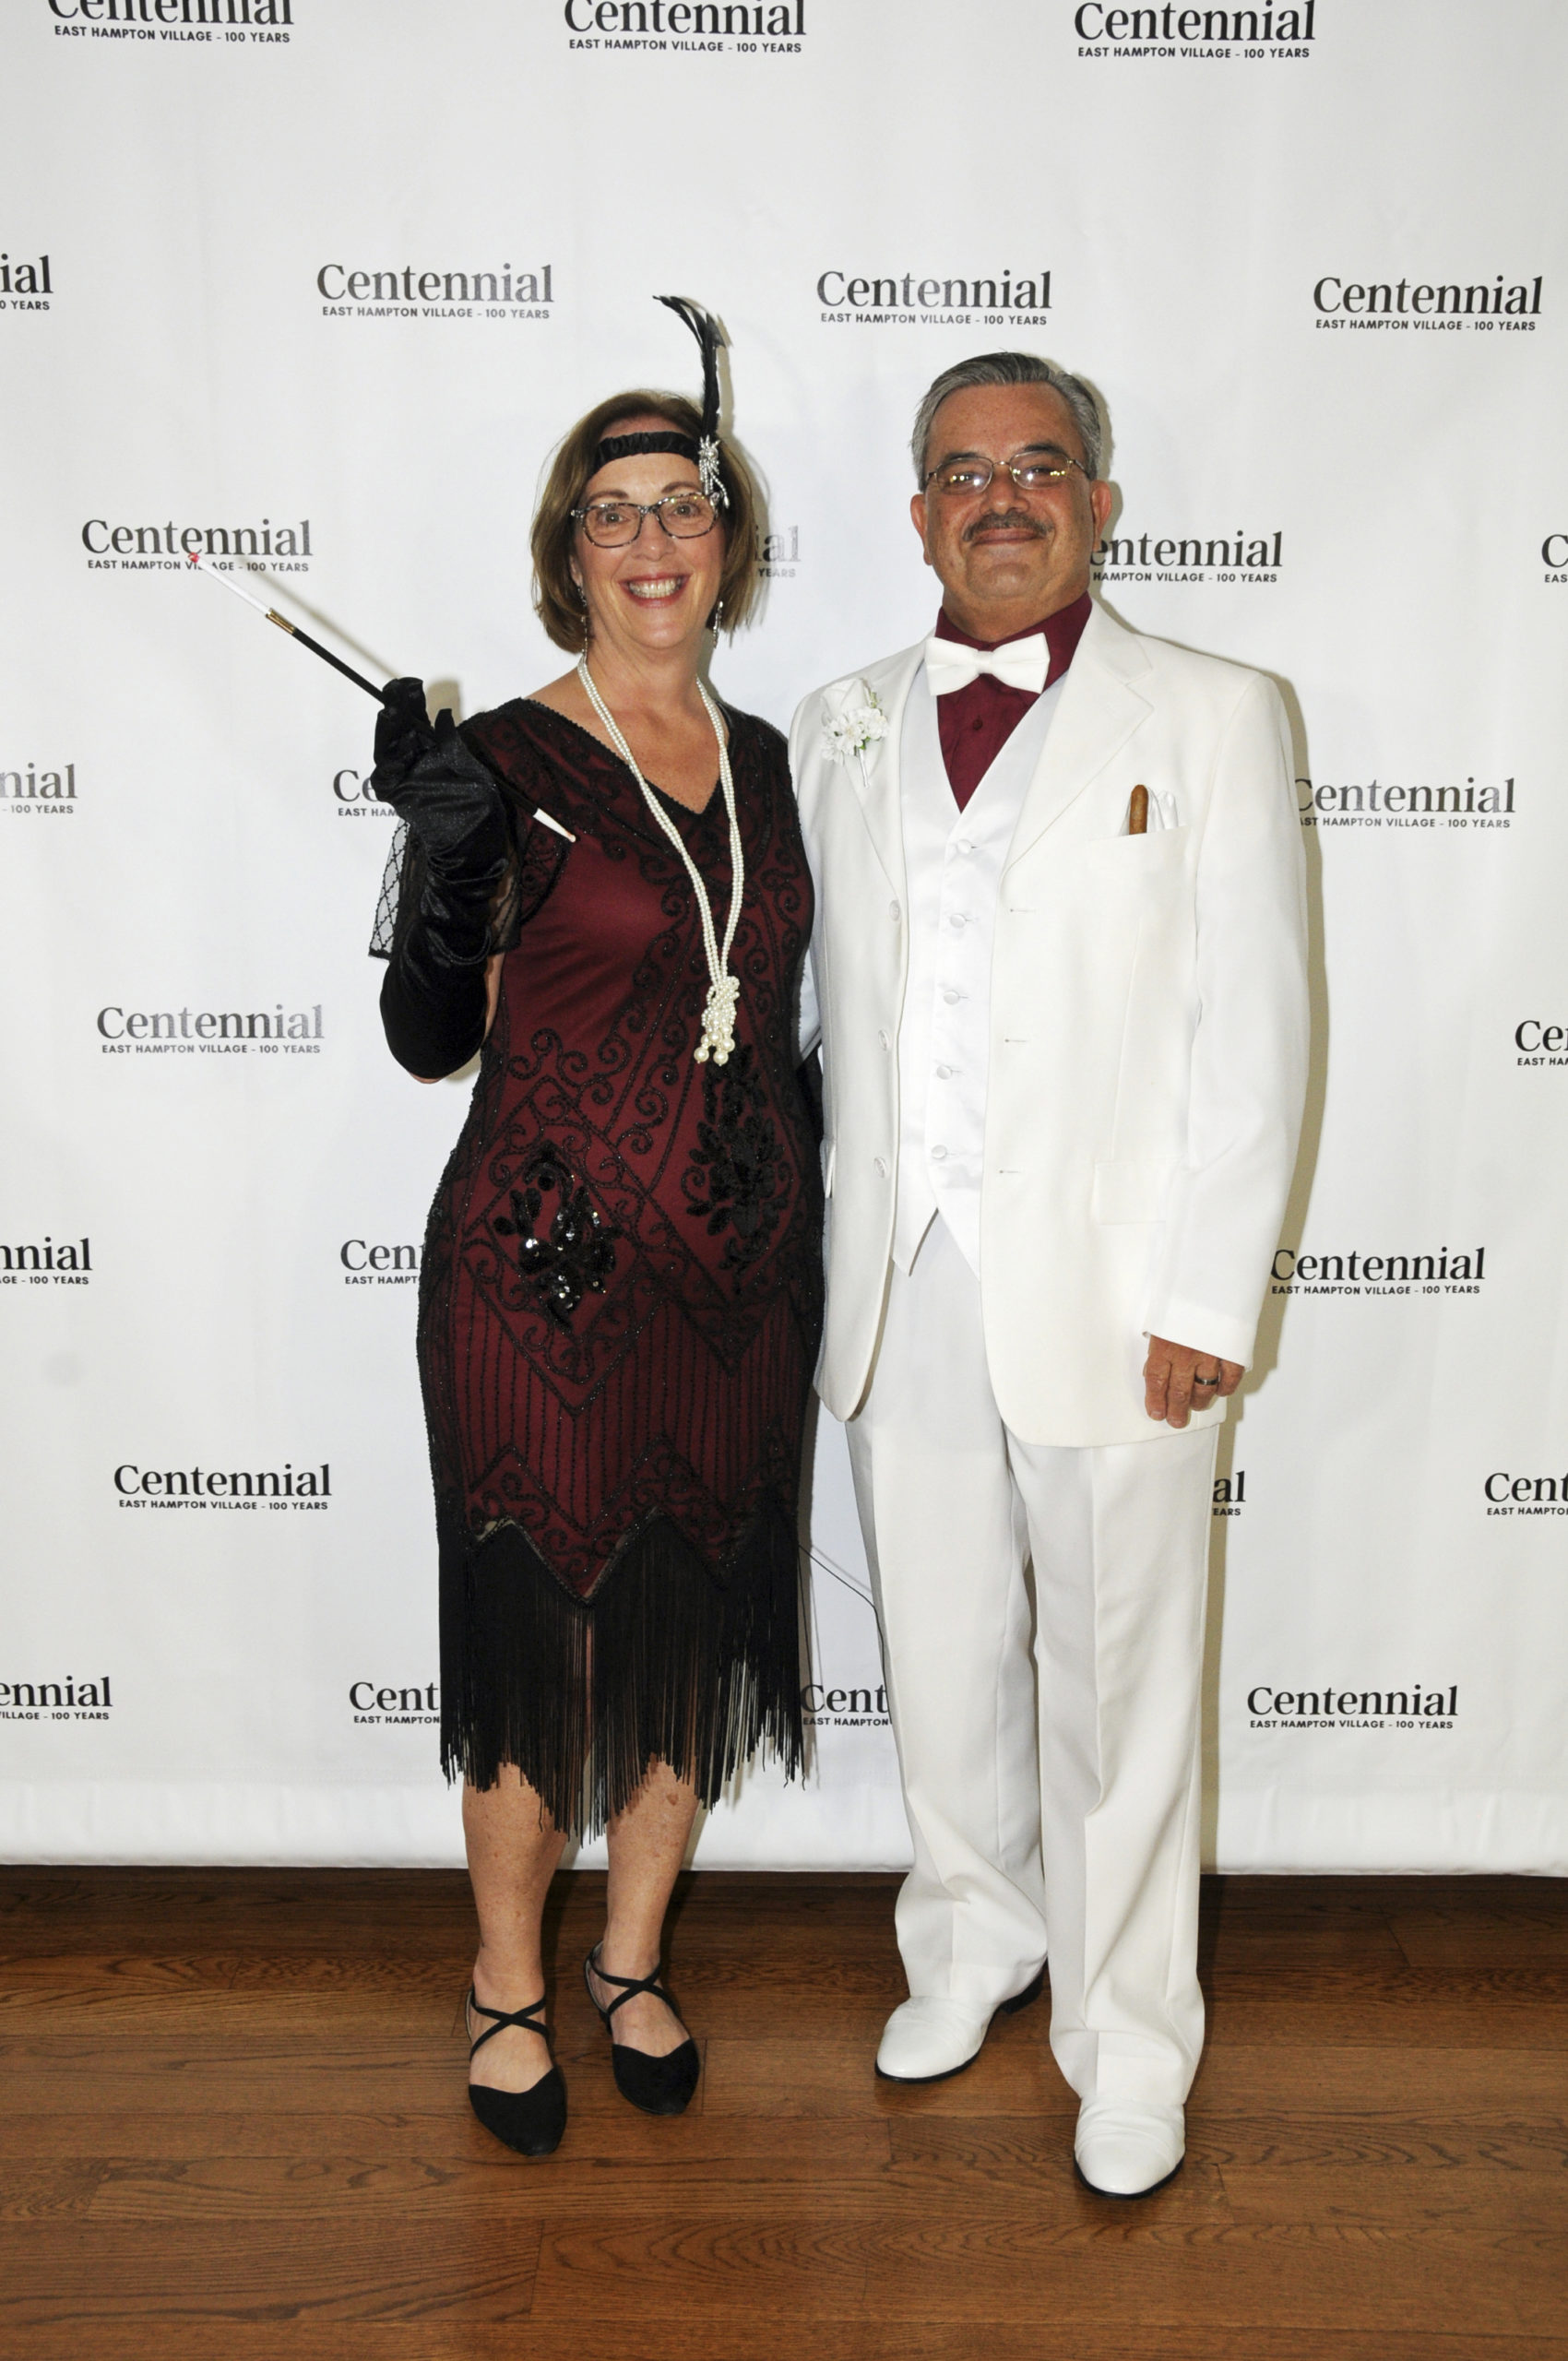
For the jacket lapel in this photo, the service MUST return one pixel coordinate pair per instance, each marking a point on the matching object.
(875, 774)
(1099, 712)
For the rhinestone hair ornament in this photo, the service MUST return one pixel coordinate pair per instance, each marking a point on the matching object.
(705, 452)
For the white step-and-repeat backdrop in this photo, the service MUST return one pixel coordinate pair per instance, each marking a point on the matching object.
(317, 283)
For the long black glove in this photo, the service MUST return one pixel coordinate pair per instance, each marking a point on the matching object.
(433, 999)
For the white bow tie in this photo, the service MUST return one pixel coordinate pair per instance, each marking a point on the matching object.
(1022, 664)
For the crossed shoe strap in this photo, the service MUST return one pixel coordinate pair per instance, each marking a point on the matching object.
(630, 1987)
(523, 2017)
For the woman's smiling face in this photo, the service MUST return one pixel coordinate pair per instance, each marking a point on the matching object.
(656, 591)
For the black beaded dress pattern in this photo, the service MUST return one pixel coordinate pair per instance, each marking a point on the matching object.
(621, 1297)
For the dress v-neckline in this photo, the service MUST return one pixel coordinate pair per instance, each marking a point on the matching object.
(687, 809)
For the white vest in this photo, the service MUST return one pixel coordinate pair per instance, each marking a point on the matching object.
(953, 863)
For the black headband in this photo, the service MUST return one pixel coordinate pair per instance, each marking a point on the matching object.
(626, 446)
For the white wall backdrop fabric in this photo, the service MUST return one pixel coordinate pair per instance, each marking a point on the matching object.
(325, 280)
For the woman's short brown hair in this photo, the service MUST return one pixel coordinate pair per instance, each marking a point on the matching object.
(556, 598)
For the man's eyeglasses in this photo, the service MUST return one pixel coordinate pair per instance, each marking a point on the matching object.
(1031, 471)
(612, 524)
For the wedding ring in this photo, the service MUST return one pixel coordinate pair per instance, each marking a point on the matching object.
(1207, 1381)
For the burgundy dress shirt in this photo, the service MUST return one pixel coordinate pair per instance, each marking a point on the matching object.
(976, 723)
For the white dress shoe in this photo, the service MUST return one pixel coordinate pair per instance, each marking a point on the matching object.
(1126, 2149)
(926, 2040)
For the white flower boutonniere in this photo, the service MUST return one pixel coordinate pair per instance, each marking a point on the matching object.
(858, 725)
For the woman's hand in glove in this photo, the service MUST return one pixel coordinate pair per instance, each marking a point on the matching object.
(433, 781)
(433, 1002)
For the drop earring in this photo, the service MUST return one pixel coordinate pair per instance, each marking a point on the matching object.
(716, 619)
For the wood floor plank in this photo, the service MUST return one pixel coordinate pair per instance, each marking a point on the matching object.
(52, 1978)
(88, 2273)
(1512, 2203)
(1001, 2340)
(193, 2079)
(773, 2334)
(1250, 1950)
(615, 2141)
(776, 2334)
(1010, 2154)
(211, 2193)
(1066, 2264)
(1436, 1943)
(1267, 1897)
(439, 1975)
(1366, 2078)
(287, 1907)
(1522, 2007)
(780, 2077)
(216, 2013)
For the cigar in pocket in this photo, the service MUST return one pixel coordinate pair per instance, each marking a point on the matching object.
(1137, 813)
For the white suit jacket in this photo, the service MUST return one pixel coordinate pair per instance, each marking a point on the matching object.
(1148, 1031)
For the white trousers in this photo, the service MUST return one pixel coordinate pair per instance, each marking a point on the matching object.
(1047, 1731)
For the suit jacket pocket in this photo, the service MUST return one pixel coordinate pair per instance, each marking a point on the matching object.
(1128, 856)
(1132, 1188)
(1131, 866)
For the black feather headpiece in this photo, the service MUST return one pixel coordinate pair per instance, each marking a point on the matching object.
(705, 451)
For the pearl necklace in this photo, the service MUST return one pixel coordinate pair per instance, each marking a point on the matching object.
(723, 989)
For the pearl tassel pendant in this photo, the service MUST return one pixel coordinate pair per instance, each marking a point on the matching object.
(719, 1022)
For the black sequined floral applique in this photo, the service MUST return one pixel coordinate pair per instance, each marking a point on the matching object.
(577, 1254)
(739, 1159)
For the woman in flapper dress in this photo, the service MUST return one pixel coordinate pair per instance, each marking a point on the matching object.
(604, 885)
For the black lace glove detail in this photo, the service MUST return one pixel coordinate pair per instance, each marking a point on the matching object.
(433, 998)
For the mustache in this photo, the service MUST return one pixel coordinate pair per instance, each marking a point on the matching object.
(1015, 519)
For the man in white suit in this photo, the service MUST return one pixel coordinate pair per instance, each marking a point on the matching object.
(1059, 966)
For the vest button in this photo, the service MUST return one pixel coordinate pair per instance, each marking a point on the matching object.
(937, 1155)
(879, 1166)
(894, 912)
(885, 1037)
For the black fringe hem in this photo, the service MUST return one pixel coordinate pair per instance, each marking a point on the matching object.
(669, 1663)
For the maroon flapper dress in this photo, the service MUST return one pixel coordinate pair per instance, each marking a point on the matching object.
(621, 1296)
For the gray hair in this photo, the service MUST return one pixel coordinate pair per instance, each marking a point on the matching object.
(1009, 369)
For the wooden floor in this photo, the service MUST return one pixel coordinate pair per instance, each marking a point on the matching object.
(232, 2125)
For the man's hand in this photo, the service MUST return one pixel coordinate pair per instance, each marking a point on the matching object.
(1178, 1380)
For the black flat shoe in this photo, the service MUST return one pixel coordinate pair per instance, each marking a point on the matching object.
(659, 2086)
(531, 2121)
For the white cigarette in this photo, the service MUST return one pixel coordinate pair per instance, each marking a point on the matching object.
(545, 820)
(205, 565)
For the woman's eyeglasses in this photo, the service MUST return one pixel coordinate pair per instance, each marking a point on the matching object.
(612, 524)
